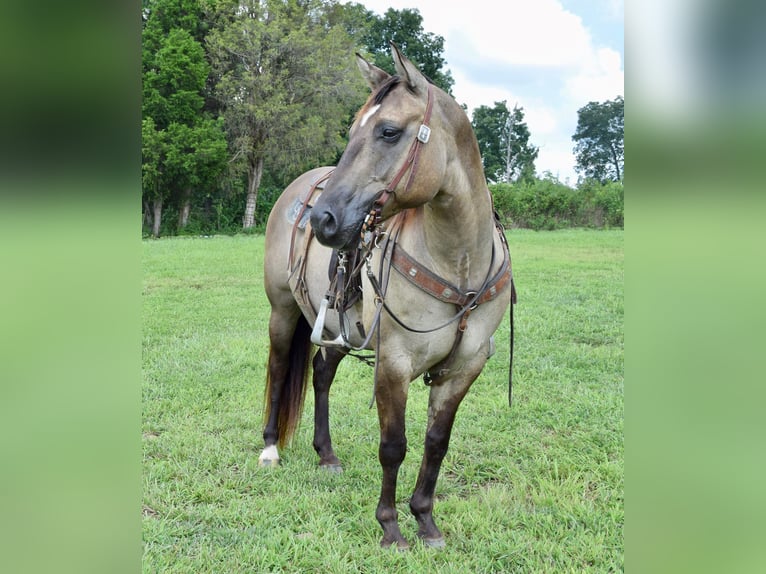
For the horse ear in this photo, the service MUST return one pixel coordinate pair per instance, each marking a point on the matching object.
(408, 71)
(374, 75)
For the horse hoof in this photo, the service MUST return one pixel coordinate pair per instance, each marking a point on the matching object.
(332, 468)
(437, 543)
(269, 457)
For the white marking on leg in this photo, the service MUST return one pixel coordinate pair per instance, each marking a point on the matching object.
(368, 114)
(270, 455)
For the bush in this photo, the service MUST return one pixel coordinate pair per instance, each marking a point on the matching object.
(550, 204)
(602, 203)
(611, 199)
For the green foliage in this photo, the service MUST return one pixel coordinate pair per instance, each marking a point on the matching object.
(184, 150)
(355, 18)
(196, 154)
(285, 83)
(550, 204)
(162, 16)
(603, 203)
(174, 76)
(152, 157)
(600, 140)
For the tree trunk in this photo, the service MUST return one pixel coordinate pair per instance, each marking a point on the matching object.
(183, 214)
(253, 183)
(508, 149)
(147, 214)
(616, 162)
(157, 217)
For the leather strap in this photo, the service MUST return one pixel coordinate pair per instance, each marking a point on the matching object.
(441, 289)
(316, 185)
(411, 163)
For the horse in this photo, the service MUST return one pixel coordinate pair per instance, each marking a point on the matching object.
(395, 252)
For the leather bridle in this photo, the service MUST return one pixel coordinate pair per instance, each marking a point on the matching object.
(410, 163)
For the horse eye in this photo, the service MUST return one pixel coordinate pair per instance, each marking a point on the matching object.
(390, 134)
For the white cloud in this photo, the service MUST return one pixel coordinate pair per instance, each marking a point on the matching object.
(556, 158)
(601, 78)
(521, 33)
(474, 94)
(541, 119)
(538, 33)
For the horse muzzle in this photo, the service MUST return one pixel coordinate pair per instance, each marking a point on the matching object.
(337, 225)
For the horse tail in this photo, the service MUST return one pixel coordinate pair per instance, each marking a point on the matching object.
(293, 392)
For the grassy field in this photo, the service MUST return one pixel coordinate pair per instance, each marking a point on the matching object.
(534, 488)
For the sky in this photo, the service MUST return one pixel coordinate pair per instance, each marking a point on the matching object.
(550, 57)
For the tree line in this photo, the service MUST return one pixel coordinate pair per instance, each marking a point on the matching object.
(241, 96)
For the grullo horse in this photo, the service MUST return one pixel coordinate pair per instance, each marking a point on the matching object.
(397, 251)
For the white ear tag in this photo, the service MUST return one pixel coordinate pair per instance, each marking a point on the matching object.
(424, 133)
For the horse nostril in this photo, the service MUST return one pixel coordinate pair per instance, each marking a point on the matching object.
(326, 223)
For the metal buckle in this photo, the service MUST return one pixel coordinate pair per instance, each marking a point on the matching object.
(424, 133)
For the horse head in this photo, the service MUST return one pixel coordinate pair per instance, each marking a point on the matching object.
(396, 156)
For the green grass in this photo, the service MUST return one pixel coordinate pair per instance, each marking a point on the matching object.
(534, 488)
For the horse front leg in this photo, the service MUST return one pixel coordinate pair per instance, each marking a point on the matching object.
(326, 363)
(391, 399)
(443, 403)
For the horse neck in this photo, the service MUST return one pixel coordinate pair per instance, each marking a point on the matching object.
(458, 228)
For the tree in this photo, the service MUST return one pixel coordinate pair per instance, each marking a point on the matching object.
(353, 17)
(405, 29)
(503, 138)
(600, 135)
(183, 148)
(152, 172)
(520, 155)
(284, 82)
(196, 155)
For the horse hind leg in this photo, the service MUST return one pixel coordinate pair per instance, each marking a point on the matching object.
(325, 366)
(287, 372)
